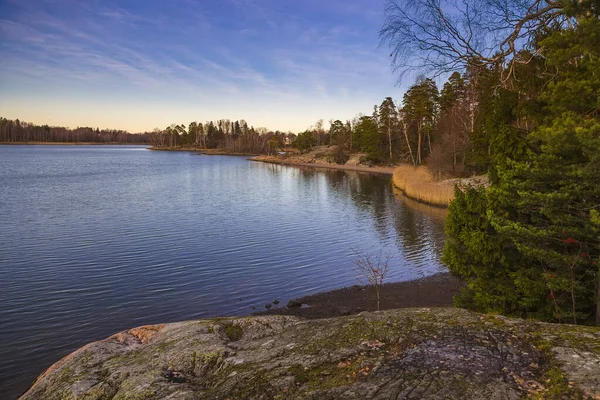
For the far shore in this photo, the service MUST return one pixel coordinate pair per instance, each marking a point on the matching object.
(208, 152)
(432, 291)
(75, 143)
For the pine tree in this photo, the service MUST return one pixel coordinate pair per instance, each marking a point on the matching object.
(420, 108)
(388, 126)
(367, 137)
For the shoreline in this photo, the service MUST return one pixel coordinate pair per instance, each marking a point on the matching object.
(73, 144)
(206, 152)
(292, 161)
(343, 167)
(431, 291)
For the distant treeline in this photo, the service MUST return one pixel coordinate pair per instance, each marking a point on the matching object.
(232, 136)
(15, 131)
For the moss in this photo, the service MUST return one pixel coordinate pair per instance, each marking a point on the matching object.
(254, 385)
(144, 395)
(556, 386)
(234, 332)
(100, 392)
(86, 356)
(66, 377)
(299, 373)
(493, 319)
(551, 376)
(357, 331)
(460, 386)
(329, 376)
(582, 338)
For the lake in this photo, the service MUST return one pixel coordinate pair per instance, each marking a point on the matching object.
(98, 239)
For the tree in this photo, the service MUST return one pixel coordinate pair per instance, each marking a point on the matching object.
(436, 36)
(543, 203)
(476, 252)
(319, 132)
(389, 123)
(420, 108)
(372, 271)
(453, 126)
(546, 202)
(338, 135)
(368, 139)
(304, 141)
(20, 131)
(274, 144)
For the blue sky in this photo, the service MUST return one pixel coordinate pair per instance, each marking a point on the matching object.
(137, 65)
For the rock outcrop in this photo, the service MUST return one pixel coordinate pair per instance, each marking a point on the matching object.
(397, 354)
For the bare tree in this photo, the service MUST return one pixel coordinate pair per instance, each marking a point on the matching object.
(440, 36)
(371, 271)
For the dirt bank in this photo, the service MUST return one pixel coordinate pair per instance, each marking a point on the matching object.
(433, 291)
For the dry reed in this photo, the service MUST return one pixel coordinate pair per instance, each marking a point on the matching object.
(418, 183)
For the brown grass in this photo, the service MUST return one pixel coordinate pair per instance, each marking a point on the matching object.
(419, 184)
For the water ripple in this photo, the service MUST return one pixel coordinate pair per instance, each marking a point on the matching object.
(99, 239)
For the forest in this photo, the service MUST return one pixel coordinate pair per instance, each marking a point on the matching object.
(521, 104)
(229, 136)
(428, 126)
(15, 131)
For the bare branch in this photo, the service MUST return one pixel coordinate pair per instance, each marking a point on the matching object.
(438, 36)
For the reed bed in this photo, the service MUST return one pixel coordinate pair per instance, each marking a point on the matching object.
(419, 184)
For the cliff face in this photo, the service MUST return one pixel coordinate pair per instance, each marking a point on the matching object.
(397, 354)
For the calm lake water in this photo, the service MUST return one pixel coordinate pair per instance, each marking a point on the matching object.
(97, 239)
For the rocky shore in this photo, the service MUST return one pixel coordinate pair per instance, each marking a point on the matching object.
(421, 353)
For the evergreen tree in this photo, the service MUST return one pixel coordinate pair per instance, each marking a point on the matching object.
(420, 108)
(367, 137)
(532, 244)
(338, 136)
(305, 141)
(452, 92)
(476, 252)
(388, 126)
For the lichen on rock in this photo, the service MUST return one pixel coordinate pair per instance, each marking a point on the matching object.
(396, 354)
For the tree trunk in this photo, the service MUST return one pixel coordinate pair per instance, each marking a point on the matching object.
(420, 136)
(429, 140)
(412, 157)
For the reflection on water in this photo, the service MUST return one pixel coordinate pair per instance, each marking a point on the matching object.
(420, 226)
(99, 239)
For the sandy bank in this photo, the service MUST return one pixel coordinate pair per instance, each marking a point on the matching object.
(302, 162)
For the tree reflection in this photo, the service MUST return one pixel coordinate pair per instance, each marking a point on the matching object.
(416, 229)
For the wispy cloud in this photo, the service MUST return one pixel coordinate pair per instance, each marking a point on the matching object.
(263, 53)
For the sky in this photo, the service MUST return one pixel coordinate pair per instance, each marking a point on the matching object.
(139, 65)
